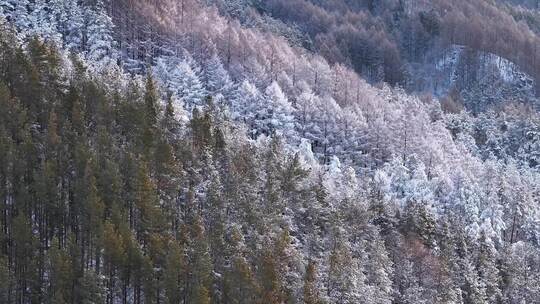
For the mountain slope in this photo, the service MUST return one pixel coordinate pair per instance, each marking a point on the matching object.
(396, 41)
(161, 152)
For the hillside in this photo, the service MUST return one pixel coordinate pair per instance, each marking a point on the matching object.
(268, 152)
(400, 42)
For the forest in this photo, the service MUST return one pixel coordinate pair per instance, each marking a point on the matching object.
(240, 152)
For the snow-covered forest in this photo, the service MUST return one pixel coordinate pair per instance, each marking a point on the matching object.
(245, 151)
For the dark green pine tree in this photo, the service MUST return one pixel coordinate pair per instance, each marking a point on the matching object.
(61, 274)
(5, 280)
(28, 284)
(200, 265)
(151, 111)
(240, 283)
(175, 274)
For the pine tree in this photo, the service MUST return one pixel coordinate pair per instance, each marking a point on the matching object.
(277, 115)
(217, 79)
(200, 265)
(93, 211)
(174, 274)
(149, 218)
(246, 105)
(311, 287)
(68, 20)
(488, 271)
(474, 289)
(185, 83)
(420, 219)
(151, 111)
(61, 275)
(5, 280)
(114, 250)
(43, 23)
(239, 282)
(380, 271)
(99, 44)
(92, 290)
(25, 259)
(346, 281)
(271, 290)
(151, 101)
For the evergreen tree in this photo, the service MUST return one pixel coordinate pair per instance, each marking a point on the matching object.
(474, 289)
(488, 271)
(43, 23)
(61, 274)
(68, 20)
(175, 274)
(99, 43)
(7, 7)
(5, 280)
(151, 112)
(187, 84)
(200, 265)
(149, 217)
(92, 291)
(277, 115)
(217, 79)
(240, 284)
(346, 281)
(380, 271)
(311, 286)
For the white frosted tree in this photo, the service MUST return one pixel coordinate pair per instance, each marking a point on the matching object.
(487, 267)
(43, 23)
(468, 201)
(67, 16)
(346, 280)
(7, 7)
(305, 103)
(277, 114)
(246, 105)
(474, 289)
(100, 44)
(216, 78)
(524, 279)
(379, 271)
(184, 82)
(163, 71)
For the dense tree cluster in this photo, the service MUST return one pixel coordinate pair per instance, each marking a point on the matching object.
(228, 166)
(401, 42)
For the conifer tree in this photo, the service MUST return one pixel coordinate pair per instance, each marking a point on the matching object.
(311, 287)
(488, 271)
(25, 261)
(113, 257)
(240, 284)
(217, 79)
(99, 44)
(271, 290)
(346, 281)
(5, 280)
(61, 275)
(200, 265)
(151, 110)
(184, 81)
(92, 291)
(149, 216)
(175, 274)
(380, 271)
